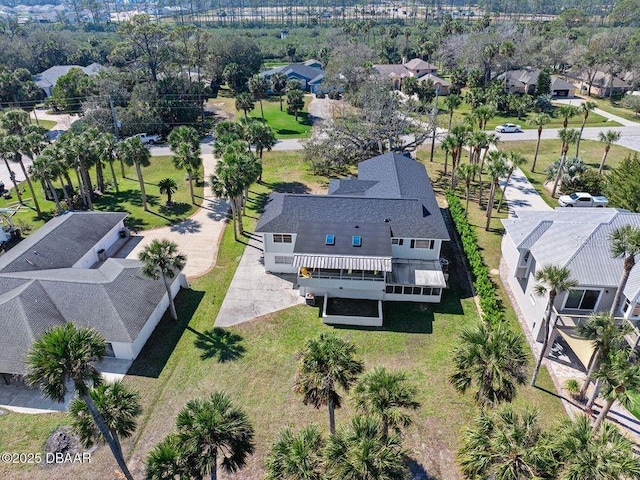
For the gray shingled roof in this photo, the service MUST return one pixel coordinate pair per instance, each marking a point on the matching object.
(299, 69)
(390, 188)
(577, 239)
(50, 77)
(61, 242)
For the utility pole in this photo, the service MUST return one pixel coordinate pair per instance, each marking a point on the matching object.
(434, 114)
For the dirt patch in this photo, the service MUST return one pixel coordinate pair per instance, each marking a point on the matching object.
(63, 441)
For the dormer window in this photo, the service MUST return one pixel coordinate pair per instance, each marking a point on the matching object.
(330, 240)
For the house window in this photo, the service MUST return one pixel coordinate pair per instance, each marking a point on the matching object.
(389, 289)
(435, 291)
(427, 244)
(283, 260)
(582, 299)
(282, 238)
(408, 291)
(397, 289)
(397, 241)
(417, 290)
(426, 291)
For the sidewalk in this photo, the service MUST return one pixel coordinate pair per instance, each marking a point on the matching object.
(521, 195)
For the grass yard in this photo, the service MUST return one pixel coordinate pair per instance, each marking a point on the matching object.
(48, 124)
(128, 199)
(613, 107)
(255, 362)
(590, 151)
(464, 109)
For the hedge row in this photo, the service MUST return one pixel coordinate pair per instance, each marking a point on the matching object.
(490, 304)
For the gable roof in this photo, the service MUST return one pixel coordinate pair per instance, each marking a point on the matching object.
(559, 84)
(57, 244)
(435, 79)
(390, 189)
(302, 70)
(50, 76)
(419, 64)
(393, 70)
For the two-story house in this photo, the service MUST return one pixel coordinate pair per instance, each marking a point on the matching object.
(375, 237)
(577, 239)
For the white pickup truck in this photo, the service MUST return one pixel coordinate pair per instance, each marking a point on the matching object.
(582, 199)
(150, 139)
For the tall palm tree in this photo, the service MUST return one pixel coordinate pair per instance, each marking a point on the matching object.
(227, 183)
(296, 455)
(213, 432)
(466, 172)
(261, 136)
(244, 102)
(133, 151)
(608, 137)
(514, 160)
(7, 154)
(106, 149)
(491, 140)
(185, 145)
(168, 187)
(620, 380)
(552, 281)
(14, 145)
(497, 168)
(258, 87)
(448, 146)
(483, 114)
(585, 108)
(327, 363)
(119, 406)
(568, 137)
(451, 102)
(161, 259)
(66, 355)
(386, 395)
(624, 243)
(604, 335)
(491, 360)
(166, 461)
(507, 444)
(567, 112)
(583, 454)
(539, 121)
(44, 168)
(359, 451)
(460, 135)
(278, 85)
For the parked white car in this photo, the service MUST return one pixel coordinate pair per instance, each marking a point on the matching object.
(150, 139)
(582, 199)
(508, 128)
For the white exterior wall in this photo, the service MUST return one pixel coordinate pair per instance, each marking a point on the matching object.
(405, 250)
(271, 250)
(353, 292)
(395, 297)
(130, 351)
(91, 256)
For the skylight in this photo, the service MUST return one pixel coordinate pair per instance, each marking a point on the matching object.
(356, 241)
(330, 240)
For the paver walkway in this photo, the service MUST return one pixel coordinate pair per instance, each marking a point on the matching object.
(198, 236)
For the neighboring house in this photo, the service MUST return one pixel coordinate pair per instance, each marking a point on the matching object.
(375, 237)
(525, 81)
(48, 79)
(397, 72)
(579, 241)
(597, 84)
(309, 74)
(441, 85)
(63, 273)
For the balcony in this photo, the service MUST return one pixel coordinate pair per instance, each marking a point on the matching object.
(572, 321)
(331, 279)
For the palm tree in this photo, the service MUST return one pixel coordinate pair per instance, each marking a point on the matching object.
(14, 146)
(483, 114)
(66, 354)
(539, 121)
(185, 145)
(496, 168)
(583, 454)
(106, 147)
(359, 451)
(261, 136)
(508, 445)
(213, 432)
(296, 455)
(161, 259)
(451, 102)
(133, 151)
(492, 360)
(568, 138)
(326, 363)
(625, 244)
(584, 108)
(448, 146)
(258, 87)
(608, 137)
(567, 112)
(166, 461)
(278, 85)
(119, 406)
(44, 168)
(514, 160)
(386, 395)
(168, 187)
(244, 102)
(552, 281)
(491, 140)
(7, 154)
(620, 380)
(460, 135)
(467, 172)
(227, 183)
(604, 335)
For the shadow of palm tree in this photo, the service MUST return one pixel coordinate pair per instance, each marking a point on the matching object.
(219, 343)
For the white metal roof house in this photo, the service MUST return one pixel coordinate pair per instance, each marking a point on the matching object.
(578, 240)
(375, 237)
(63, 273)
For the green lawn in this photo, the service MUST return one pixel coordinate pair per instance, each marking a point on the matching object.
(464, 109)
(255, 362)
(613, 107)
(48, 124)
(128, 199)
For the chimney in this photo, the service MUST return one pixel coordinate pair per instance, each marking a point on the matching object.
(404, 60)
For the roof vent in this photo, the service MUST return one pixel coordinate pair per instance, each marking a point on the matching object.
(356, 241)
(387, 220)
(330, 240)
